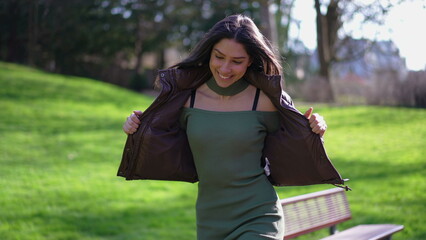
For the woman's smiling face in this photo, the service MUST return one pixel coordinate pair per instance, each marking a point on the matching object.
(228, 62)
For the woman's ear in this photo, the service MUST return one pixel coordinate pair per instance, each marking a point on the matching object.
(250, 62)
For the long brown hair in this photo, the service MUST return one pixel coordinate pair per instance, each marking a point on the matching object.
(243, 30)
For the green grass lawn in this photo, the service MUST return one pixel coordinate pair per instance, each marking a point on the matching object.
(61, 143)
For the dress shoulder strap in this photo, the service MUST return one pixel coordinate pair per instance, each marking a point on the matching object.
(256, 99)
(192, 101)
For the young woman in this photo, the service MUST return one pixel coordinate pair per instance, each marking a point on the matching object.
(222, 119)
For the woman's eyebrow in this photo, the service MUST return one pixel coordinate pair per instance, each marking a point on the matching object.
(217, 50)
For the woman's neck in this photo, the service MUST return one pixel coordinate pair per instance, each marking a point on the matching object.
(231, 90)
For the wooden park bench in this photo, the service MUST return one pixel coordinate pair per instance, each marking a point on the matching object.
(325, 209)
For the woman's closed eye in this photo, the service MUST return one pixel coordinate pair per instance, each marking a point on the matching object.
(235, 61)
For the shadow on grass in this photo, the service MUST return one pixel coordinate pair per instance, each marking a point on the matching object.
(370, 170)
(128, 221)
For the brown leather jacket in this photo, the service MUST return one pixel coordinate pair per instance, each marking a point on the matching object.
(159, 150)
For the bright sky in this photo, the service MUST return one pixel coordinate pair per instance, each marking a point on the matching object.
(404, 25)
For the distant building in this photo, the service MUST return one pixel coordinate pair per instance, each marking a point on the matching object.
(365, 72)
(363, 60)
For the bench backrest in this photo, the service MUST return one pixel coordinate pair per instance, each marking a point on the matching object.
(310, 212)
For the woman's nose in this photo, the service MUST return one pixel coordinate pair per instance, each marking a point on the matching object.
(225, 68)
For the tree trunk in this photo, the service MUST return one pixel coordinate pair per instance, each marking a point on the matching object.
(282, 21)
(322, 40)
(32, 32)
(267, 23)
(12, 52)
(327, 27)
(161, 58)
(139, 46)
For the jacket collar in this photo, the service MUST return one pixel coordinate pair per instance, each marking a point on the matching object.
(184, 79)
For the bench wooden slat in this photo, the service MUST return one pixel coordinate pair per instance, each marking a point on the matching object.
(366, 232)
(310, 212)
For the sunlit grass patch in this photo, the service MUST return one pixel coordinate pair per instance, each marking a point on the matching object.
(61, 144)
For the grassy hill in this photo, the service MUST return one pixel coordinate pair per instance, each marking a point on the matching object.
(61, 143)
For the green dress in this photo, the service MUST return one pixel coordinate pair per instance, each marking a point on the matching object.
(235, 199)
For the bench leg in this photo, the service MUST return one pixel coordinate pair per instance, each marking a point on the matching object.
(333, 230)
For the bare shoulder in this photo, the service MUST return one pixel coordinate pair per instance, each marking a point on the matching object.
(265, 104)
(202, 91)
(187, 103)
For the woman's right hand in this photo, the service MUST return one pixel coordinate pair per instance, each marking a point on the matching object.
(132, 123)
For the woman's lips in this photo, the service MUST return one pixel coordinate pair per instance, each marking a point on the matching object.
(224, 77)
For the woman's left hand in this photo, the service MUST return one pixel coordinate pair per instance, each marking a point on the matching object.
(316, 122)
